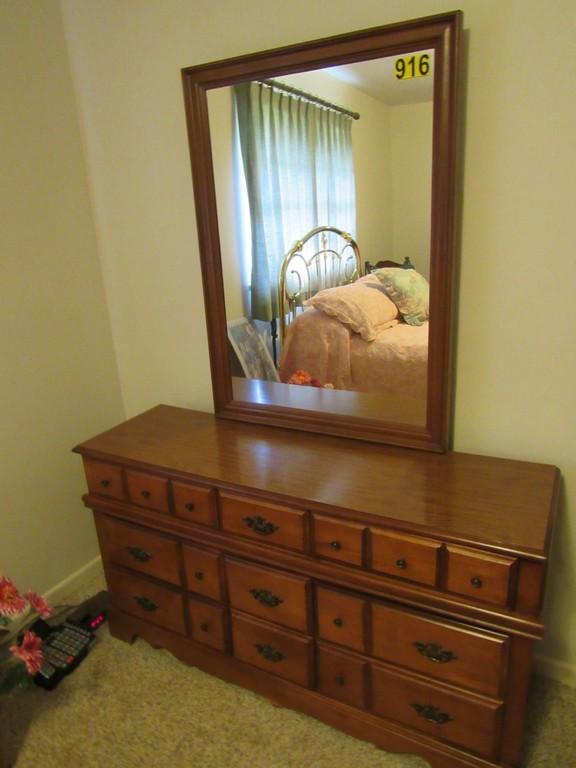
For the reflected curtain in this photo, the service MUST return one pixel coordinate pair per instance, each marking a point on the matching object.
(299, 174)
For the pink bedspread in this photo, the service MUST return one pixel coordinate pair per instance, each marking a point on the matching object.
(395, 362)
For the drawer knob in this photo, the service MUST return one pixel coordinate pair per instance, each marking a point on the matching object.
(476, 582)
(189, 506)
(145, 494)
(432, 714)
(335, 545)
(105, 483)
(338, 622)
(269, 652)
(265, 597)
(340, 680)
(401, 563)
(139, 554)
(204, 627)
(199, 575)
(145, 603)
(260, 525)
(434, 652)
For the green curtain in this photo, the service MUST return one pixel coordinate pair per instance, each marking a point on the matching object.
(299, 173)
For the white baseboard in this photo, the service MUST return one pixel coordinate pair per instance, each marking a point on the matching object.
(556, 670)
(77, 582)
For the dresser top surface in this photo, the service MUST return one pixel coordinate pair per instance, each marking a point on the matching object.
(499, 502)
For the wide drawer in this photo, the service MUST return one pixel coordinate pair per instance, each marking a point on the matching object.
(338, 540)
(207, 623)
(467, 721)
(279, 651)
(444, 650)
(480, 575)
(148, 491)
(104, 479)
(266, 523)
(342, 676)
(202, 568)
(142, 550)
(404, 556)
(139, 597)
(341, 618)
(195, 503)
(270, 594)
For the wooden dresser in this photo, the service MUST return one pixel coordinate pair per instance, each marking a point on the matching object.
(392, 593)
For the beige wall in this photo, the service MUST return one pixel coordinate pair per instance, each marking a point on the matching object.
(515, 370)
(58, 378)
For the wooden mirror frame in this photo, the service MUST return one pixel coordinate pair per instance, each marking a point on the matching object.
(441, 33)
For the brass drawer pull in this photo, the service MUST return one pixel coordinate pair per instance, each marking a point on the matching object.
(340, 680)
(139, 554)
(269, 652)
(338, 622)
(260, 525)
(266, 597)
(145, 494)
(401, 563)
(189, 506)
(432, 714)
(105, 483)
(204, 627)
(476, 582)
(199, 575)
(335, 545)
(145, 603)
(435, 652)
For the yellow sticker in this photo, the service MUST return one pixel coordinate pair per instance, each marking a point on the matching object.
(417, 65)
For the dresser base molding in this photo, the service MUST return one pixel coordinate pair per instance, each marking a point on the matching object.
(360, 724)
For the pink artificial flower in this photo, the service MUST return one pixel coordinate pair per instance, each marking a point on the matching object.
(29, 651)
(11, 601)
(38, 603)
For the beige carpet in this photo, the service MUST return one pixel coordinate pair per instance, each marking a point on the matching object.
(130, 706)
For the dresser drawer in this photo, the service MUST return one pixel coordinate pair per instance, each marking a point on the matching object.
(341, 618)
(202, 568)
(338, 540)
(473, 658)
(148, 491)
(266, 523)
(104, 479)
(207, 623)
(141, 550)
(480, 575)
(279, 651)
(467, 721)
(342, 676)
(195, 503)
(272, 595)
(139, 597)
(407, 557)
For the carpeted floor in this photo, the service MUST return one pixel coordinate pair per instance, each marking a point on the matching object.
(130, 706)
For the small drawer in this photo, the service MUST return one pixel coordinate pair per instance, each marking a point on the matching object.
(341, 618)
(266, 523)
(445, 650)
(202, 569)
(104, 479)
(148, 490)
(480, 575)
(342, 676)
(338, 540)
(141, 550)
(151, 602)
(467, 721)
(272, 595)
(207, 624)
(408, 557)
(194, 503)
(279, 651)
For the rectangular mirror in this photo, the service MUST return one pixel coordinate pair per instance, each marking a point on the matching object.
(325, 186)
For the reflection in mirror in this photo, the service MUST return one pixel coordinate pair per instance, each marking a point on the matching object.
(318, 176)
(325, 189)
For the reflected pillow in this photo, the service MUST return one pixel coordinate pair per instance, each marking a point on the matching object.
(409, 291)
(363, 306)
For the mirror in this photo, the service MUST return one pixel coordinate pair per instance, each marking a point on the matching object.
(358, 354)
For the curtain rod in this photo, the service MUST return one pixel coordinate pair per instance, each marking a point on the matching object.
(309, 97)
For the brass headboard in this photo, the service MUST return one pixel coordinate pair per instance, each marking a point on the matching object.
(324, 258)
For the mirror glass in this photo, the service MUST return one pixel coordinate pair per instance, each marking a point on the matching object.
(349, 332)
